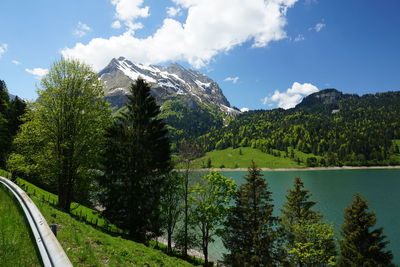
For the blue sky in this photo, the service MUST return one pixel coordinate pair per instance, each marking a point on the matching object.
(263, 54)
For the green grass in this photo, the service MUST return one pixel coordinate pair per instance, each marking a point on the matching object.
(87, 246)
(242, 157)
(17, 245)
(87, 214)
(299, 154)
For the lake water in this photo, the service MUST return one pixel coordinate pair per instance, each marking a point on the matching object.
(334, 190)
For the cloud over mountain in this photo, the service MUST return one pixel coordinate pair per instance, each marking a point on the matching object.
(292, 96)
(228, 24)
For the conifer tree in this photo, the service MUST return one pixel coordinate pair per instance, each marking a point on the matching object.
(138, 154)
(307, 241)
(360, 245)
(250, 231)
(298, 207)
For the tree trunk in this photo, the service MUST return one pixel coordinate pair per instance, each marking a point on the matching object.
(185, 249)
(169, 249)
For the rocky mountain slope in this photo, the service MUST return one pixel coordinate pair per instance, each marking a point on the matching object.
(168, 83)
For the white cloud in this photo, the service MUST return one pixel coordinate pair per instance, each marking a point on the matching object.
(244, 109)
(3, 49)
(318, 27)
(231, 79)
(116, 24)
(292, 96)
(15, 62)
(82, 29)
(173, 11)
(130, 10)
(206, 32)
(299, 38)
(37, 72)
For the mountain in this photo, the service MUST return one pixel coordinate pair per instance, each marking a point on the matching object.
(327, 99)
(168, 83)
(11, 96)
(328, 128)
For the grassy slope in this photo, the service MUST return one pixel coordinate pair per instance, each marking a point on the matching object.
(88, 246)
(17, 245)
(232, 158)
(84, 244)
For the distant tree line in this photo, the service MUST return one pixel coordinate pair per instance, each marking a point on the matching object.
(70, 143)
(360, 133)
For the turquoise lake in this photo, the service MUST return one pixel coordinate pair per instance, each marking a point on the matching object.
(334, 191)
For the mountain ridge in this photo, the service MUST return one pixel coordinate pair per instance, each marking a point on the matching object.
(168, 83)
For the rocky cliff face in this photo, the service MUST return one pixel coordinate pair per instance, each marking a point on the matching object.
(168, 83)
(327, 99)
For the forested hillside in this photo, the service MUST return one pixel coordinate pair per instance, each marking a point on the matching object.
(339, 129)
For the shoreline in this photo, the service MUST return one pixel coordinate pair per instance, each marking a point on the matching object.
(299, 169)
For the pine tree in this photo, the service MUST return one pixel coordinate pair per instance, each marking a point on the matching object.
(307, 241)
(250, 233)
(138, 154)
(360, 245)
(298, 207)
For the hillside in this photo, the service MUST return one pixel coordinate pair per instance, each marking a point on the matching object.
(88, 246)
(85, 244)
(341, 129)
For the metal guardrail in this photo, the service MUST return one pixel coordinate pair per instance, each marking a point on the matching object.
(50, 249)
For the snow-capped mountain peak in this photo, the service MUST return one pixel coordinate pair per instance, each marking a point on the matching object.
(168, 82)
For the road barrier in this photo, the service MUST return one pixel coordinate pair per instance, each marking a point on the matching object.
(50, 249)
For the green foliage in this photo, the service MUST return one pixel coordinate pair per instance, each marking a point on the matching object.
(313, 245)
(209, 200)
(10, 113)
(62, 138)
(189, 121)
(137, 156)
(172, 204)
(250, 230)
(307, 241)
(361, 133)
(17, 246)
(360, 245)
(298, 206)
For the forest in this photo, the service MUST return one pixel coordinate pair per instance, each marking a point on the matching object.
(352, 130)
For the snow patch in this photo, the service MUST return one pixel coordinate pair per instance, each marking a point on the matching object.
(128, 71)
(202, 85)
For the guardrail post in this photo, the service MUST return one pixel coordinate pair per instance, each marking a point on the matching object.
(53, 228)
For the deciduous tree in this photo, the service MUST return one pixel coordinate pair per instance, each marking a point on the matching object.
(64, 132)
(210, 198)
